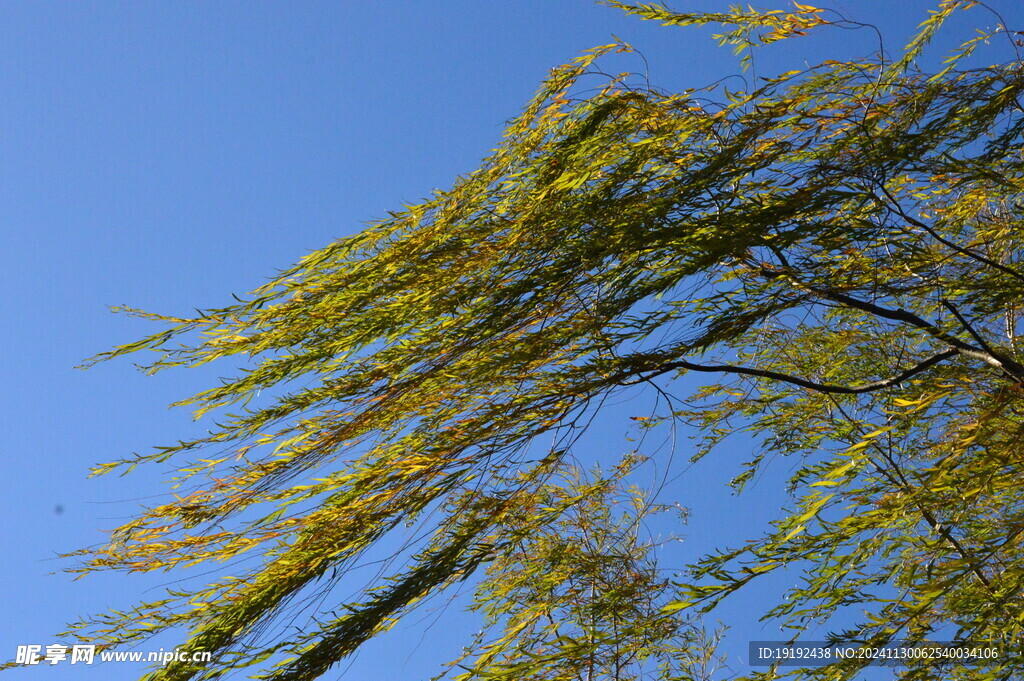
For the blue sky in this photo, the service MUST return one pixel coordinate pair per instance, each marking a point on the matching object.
(164, 155)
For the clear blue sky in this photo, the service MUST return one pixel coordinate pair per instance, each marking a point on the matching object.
(166, 154)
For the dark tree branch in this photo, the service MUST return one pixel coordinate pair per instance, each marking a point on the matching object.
(803, 383)
(896, 477)
(901, 315)
(934, 523)
(970, 329)
(895, 207)
(1010, 366)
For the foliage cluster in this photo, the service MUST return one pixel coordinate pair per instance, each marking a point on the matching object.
(837, 247)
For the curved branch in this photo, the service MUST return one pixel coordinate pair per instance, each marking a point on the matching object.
(901, 315)
(898, 478)
(898, 209)
(803, 383)
(1010, 368)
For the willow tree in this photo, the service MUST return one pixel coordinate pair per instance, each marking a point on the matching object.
(833, 250)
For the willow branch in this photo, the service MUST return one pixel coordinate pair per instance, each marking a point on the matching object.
(804, 383)
(1011, 369)
(898, 478)
(895, 207)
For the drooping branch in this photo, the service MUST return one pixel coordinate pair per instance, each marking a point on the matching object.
(962, 348)
(804, 383)
(1010, 368)
(894, 206)
(898, 478)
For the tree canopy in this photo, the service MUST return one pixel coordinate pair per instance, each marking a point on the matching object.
(835, 249)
